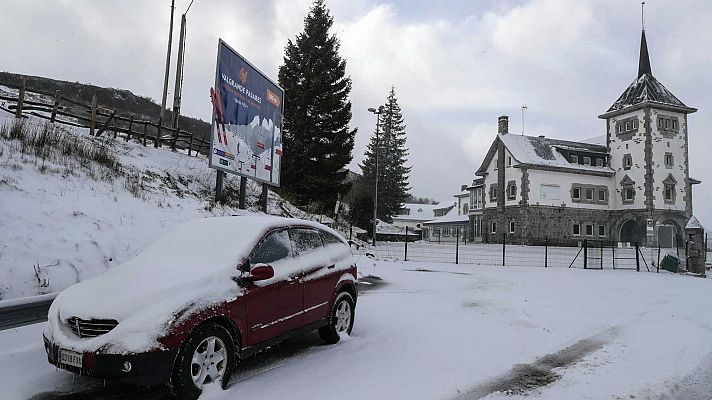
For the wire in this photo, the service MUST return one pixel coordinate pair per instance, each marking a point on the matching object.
(191, 3)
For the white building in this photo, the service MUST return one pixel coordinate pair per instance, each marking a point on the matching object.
(631, 185)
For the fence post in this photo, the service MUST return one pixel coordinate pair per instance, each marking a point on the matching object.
(546, 251)
(128, 135)
(145, 127)
(351, 230)
(92, 124)
(190, 147)
(613, 254)
(405, 256)
(658, 264)
(504, 246)
(21, 98)
(157, 140)
(457, 245)
(585, 254)
(601, 259)
(57, 95)
(637, 257)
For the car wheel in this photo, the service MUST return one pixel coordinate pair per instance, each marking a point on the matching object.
(341, 319)
(206, 357)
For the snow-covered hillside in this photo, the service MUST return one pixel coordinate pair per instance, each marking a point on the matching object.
(72, 206)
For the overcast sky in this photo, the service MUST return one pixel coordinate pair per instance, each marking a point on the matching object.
(456, 65)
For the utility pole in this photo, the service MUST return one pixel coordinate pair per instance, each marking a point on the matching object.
(178, 88)
(165, 80)
(375, 189)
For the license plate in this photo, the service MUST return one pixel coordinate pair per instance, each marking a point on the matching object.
(69, 357)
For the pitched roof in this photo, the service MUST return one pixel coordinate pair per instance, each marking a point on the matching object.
(544, 152)
(450, 218)
(418, 212)
(645, 88)
(693, 223)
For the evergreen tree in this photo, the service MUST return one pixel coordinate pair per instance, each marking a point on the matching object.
(317, 139)
(392, 156)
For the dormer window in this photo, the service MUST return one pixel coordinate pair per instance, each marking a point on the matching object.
(599, 162)
(586, 160)
(574, 159)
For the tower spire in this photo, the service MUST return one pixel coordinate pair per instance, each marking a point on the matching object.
(644, 62)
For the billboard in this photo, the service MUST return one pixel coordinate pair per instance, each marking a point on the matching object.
(247, 119)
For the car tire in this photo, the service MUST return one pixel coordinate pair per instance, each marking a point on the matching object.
(341, 318)
(186, 372)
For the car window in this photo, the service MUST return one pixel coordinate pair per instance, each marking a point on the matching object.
(274, 247)
(330, 239)
(305, 240)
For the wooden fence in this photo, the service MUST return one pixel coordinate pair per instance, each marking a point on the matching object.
(102, 120)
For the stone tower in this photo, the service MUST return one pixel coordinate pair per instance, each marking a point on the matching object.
(647, 131)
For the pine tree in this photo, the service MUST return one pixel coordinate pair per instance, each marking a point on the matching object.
(317, 139)
(392, 156)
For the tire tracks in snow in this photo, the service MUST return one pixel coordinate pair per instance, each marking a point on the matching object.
(523, 378)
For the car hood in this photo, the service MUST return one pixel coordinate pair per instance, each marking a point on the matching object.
(144, 300)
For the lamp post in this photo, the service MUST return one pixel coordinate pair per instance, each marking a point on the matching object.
(375, 188)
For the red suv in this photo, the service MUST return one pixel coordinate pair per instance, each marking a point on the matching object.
(185, 310)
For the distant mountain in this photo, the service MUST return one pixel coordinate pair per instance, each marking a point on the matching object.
(124, 101)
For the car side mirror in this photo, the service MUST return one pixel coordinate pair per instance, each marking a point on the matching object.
(261, 272)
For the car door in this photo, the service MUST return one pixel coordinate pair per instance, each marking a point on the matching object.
(314, 260)
(274, 306)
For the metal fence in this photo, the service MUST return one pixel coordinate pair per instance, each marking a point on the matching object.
(588, 255)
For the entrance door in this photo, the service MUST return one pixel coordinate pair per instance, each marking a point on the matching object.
(666, 235)
(274, 306)
(631, 232)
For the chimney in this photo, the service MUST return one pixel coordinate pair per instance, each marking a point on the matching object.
(463, 188)
(503, 125)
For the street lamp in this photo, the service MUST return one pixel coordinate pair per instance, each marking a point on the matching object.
(375, 188)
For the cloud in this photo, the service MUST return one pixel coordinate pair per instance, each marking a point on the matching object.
(454, 73)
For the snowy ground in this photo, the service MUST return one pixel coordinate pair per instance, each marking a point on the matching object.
(441, 331)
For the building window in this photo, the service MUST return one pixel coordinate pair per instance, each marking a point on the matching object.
(669, 161)
(511, 191)
(511, 226)
(577, 229)
(574, 159)
(589, 194)
(586, 160)
(627, 126)
(628, 194)
(667, 124)
(599, 162)
(576, 193)
(669, 190)
(602, 195)
(446, 231)
(601, 230)
(589, 230)
(493, 228)
(465, 208)
(436, 232)
(627, 161)
(509, 161)
(493, 192)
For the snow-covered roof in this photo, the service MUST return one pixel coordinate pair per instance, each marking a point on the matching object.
(464, 193)
(418, 212)
(544, 152)
(646, 88)
(450, 218)
(693, 223)
(599, 140)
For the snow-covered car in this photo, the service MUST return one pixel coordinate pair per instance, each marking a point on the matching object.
(186, 309)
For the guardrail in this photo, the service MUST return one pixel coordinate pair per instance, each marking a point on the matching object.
(25, 311)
